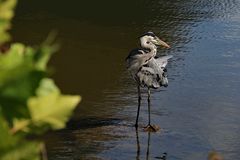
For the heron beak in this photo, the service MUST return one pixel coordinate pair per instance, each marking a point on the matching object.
(159, 42)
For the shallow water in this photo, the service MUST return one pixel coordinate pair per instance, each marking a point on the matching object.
(198, 112)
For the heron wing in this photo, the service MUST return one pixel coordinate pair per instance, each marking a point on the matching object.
(137, 58)
(162, 61)
(148, 77)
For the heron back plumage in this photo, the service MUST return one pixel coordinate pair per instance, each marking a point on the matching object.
(137, 58)
(146, 70)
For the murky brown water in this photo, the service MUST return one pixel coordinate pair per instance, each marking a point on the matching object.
(198, 112)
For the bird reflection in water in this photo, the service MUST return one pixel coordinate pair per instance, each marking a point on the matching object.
(138, 146)
(163, 157)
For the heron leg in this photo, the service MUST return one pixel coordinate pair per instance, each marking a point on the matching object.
(139, 105)
(149, 127)
(149, 107)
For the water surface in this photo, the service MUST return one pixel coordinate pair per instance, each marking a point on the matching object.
(198, 112)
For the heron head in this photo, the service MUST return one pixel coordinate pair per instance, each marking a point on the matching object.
(150, 38)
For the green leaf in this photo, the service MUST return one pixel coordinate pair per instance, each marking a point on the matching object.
(50, 107)
(22, 151)
(16, 63)
(44, 52)
(6, 14)
(20, 125)
(18, 80)
(53, 109)
(21, 70)
(6, 139)
(13, 147)
(47, 87)
(29, 102)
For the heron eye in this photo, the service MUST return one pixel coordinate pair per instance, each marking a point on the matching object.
(148, 42)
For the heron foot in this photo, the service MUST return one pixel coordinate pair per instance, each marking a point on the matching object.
(151, 128)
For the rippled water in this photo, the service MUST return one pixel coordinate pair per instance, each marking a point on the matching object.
(198, 112)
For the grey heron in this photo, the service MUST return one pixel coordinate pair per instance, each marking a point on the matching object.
(147, 69)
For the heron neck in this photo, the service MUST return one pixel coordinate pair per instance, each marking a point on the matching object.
(153, 52)
(151, 48)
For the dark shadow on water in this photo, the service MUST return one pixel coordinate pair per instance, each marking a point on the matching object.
(87, 123)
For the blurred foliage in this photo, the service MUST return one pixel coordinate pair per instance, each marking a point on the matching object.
(6, 14)
(30, 103)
